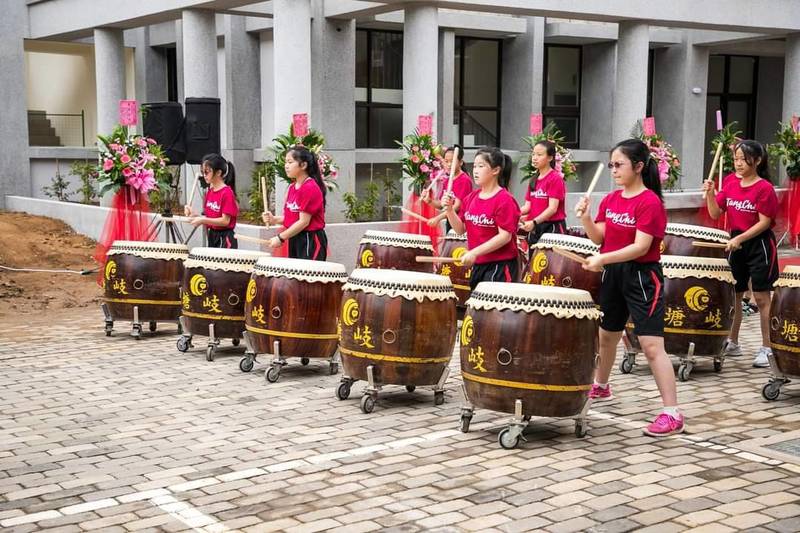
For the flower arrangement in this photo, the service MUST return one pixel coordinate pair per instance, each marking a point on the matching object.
(728, 136)
(786, 149)
(564, 162)
(314, 141)
(421, 159)
(131, 161)
(669, 164)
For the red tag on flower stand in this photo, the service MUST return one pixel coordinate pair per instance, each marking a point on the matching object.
(425, 124)
(128, 112)
(300, 124)
(536, 123)
(649, 126)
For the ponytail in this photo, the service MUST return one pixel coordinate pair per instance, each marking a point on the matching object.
(651, 177)
(638, 152)
(505, 176)
(301, 154)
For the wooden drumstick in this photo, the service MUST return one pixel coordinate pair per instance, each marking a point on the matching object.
(176, 218)
(452, 170)
(264, 192)
(713, 169)
(570, 255)
(410, 213)
(241, 237)
(435, 259)
(191, 195)
(721, 169)
(702, 244)
(593, 183)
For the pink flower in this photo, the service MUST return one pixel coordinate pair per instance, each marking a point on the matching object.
(127, 172)
(663, 168)
(151, 141)
(424, 168)
(125, 159)
(141, 142)
(414, 159)
(108, 164)
(114, 146)
(415, 148)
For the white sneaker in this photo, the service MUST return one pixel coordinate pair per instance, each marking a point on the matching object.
(731, 349)
(762, 359)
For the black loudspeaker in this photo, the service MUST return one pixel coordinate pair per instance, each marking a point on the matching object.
(202, 128)
(163, 121)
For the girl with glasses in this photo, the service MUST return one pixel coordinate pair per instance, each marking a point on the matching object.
(220, 209)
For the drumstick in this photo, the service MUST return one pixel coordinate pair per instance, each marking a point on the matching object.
(191, 195)
(435, 259)
(721, 169)
(702, 244)
(251, 239)
(176, 218)
(410, 213)
(452, 170)
(264, 192)
(593, 183)
(570, 255)
(714, 164)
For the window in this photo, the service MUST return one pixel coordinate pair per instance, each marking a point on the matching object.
(562, 96)
(732, 84)
(379, 88)
(477, 91)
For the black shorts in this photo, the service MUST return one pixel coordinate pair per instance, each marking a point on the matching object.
(756, 260)
(506, 271)
(556, 226)
(222, 238)
(311, 245)
(636, 290)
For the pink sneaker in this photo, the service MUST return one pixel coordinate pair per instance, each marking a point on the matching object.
(665, 425)
(599, 393)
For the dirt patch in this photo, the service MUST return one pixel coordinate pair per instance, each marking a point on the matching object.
(28, 241)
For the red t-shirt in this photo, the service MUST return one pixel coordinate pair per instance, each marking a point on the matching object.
(221, 202)
(462, 186)
(308, 199)
(624, 216)
(483, 217)
(551, 185)
(743, 204)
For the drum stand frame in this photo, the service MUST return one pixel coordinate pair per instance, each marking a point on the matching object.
(275, 367)
(686, 361)
(185, 340)
(509, 437)
(136, 324)
(370, 394)
(772, 389)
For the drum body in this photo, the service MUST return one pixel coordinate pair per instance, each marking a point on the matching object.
(699, 300)
(784, 316)
(529, 342)
(295, 302)
(403, 324)
(146, 275)
(678, 241)
(392, 250)
(549, 268)
(213, 290)
(454, 245)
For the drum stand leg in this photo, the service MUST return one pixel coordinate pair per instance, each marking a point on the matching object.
(247, 362)
(213, 342)
(136, 326)
(510, 436)
(334, 363)
(581, 426)
(466, 411)
(277, 364)
(109, 320)
(438, 389)
(185, 340)
(686, 364)
(772, 389)
(629, 357)
(371, 392)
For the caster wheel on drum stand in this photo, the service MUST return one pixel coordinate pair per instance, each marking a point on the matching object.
(273, 374)
(411, 388)
(108, 332)
(210, 352)
(343, 390)
(683, 372)
(367, 404)
(183, 344)
(246, 364)
(236, 342)
(717, 366)
(153, 326)
(626, 365)
(507, 439)
(136, 331)
(304, 361)
(465, 420)
(771, 390)
(438, 397)
(580, 429)
(333, 369)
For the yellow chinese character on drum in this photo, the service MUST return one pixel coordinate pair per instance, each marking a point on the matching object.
(258, 314)
(212, 304)
(674, 316)
(549, 281)
(715, 319)
(445, 270)
(790, 331)
(363, 338)
(476, 357)
(185, 300)
(120, 287)
(468, 274)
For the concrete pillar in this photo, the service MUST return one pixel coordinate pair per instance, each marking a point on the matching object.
(523, 75)
(447, 80)
(15, 178)
(791, 82)
(199, 36)
(292, 68)
(109, 64)
(151, 69)
(242, 98)
(598, 78)
(420, 65)
(266, 70)
(179, 58)
(630, 94)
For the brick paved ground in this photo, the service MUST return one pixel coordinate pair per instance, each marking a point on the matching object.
(117, 435)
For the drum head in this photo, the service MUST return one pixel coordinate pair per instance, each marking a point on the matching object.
(402, 240)
(150, 250)
(698, 232)
(679, 267)
(568, 242)
(790, 277)
(227, 259)
(300, 269)
(401, 283)
(453, 236)
(546, 300)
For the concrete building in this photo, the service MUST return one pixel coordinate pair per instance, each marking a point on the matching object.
(364, 71)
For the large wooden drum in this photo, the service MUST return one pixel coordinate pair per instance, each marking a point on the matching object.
(393, 250)
(455, 246)
(784, 317)
(403, 324)
(213, 290)
(678, 241)
(551, 269)
(294, 302)
(531, 343)
(147, 276)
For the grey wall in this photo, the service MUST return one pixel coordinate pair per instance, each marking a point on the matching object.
(597, 95)
(770, 97)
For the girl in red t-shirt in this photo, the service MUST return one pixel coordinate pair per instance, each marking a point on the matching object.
(462, 185)
(629, 228)
(220, 209)
(303, 217)
(489, 216)
(544, 211)
(751, 205)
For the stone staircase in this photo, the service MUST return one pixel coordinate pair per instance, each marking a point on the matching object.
(40, 131)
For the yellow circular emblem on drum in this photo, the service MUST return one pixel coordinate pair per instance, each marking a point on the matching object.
(198, 285)
(350, 312)
(251, 291)
(539, 262)
(458, 253)
(466, 330)
(662, 247)
(111, 269)
(367, 258)
(697, 298)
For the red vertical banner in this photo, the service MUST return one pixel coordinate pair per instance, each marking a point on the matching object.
(649, 126)
(425, 124)
(300, 124)
(536, 123)
(128, 115)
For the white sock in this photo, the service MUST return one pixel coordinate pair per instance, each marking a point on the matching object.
(601, 385)
(671, 411)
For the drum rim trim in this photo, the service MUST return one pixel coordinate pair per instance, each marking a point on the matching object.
(292, 335)
(779, 346)
(192, 314)
(521, 385)
(394, 358)
(711, 333)
(145, 302)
